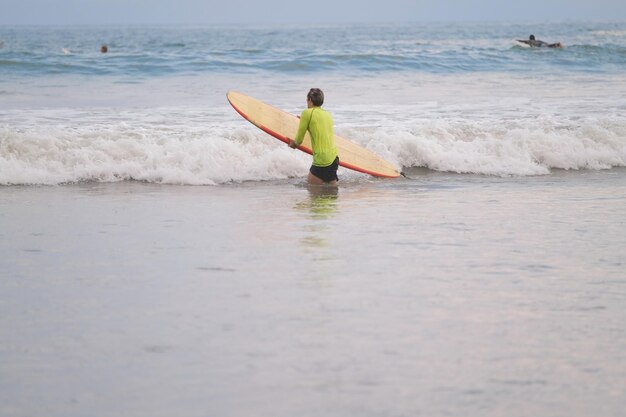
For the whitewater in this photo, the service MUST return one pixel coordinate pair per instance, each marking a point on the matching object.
(499, 125)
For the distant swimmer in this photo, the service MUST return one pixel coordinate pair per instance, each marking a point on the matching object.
(104, 49)
(534, 43)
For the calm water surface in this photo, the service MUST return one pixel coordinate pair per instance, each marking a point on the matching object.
(437, 295)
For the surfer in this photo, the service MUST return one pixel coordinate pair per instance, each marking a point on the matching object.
(536, 43)
(319, 123)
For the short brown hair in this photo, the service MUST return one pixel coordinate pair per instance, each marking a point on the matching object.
(316, 96)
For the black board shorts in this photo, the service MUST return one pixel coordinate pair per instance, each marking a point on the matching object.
(326, 174)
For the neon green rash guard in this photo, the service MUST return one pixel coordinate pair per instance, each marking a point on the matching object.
(319, 123)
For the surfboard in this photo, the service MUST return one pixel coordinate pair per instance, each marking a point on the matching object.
(283, 126)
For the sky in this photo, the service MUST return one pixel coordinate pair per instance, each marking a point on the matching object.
(298, 12)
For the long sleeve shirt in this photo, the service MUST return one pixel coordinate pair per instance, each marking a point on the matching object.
(319, 123)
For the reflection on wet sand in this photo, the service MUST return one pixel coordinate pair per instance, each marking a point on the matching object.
(322, 201)
(321, 204)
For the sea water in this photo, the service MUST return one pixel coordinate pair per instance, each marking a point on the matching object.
(162, 256)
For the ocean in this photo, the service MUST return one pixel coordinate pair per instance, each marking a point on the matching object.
(162, 256)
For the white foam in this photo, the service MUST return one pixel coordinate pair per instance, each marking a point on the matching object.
(62, 155)
(487, 124)
(495, 149)
(217, 154)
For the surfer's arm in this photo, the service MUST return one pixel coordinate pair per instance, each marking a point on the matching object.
(305, 119)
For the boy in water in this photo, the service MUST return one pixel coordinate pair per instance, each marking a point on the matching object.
(319, 124)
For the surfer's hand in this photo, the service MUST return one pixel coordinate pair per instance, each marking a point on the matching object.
(292, 144)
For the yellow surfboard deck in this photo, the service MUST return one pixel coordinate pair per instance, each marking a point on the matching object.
(283, 126)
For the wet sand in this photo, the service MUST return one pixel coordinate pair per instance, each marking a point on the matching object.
(439, 295)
